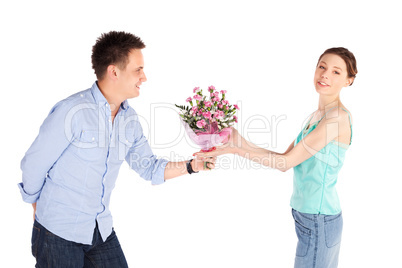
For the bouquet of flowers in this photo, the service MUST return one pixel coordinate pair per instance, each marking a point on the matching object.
(208, 120)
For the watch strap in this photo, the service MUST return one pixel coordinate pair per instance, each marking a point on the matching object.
(190, 168)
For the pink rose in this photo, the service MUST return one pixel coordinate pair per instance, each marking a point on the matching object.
(220, 106)
(196, 89)
(201, 123)
(211, 88)
(223, 91)
(208, 104)
(188, 99)
(225, 102)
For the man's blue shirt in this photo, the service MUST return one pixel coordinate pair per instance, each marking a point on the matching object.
(71, 168)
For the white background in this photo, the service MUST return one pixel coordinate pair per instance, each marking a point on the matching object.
(264, 54)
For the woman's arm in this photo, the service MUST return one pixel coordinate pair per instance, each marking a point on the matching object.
(334, 125)
(244, 148)
(327, 130)
(291, 146)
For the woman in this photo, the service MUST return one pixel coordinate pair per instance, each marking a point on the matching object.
(317, 155)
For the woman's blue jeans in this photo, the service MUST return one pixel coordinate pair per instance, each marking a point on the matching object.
(53, 251)
(319, 239)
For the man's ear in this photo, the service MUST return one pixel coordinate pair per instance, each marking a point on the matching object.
(111, 72)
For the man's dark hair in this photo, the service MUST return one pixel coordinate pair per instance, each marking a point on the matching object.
(113, 48)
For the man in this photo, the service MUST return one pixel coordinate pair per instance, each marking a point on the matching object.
(71, 168)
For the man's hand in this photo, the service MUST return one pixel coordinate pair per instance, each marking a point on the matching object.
(175, 169)
(34, 208)
(198, 163)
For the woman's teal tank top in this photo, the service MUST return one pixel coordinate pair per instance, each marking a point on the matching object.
(314, 180)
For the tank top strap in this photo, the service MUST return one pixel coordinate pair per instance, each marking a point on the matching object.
(350, 122)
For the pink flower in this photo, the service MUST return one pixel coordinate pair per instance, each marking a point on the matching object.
(197, 97)
(201, 123)
(214, 94)
(188, 99)
(219, 115)
(225, 102)
(223, 91)
(216, 99)
(208, 104)
(211, 88)
(207, 115)
(196, 89)
(194, 109)
(235, 118)
(220, 106)
(236, 107)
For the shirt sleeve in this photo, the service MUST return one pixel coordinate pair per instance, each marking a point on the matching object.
(54, 137)
(141, 158)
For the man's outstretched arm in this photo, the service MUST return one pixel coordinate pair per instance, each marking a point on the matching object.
(176, 169)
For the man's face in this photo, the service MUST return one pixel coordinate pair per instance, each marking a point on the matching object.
(131, 78)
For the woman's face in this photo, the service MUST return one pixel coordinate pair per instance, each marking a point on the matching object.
(331, 75)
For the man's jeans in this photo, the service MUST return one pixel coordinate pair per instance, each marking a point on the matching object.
(53, 251)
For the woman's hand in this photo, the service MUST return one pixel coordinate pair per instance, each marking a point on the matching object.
(232, 146)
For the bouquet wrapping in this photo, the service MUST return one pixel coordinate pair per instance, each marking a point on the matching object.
(210, 138)
(208, 119)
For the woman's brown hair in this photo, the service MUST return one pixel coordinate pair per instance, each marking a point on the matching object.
(347, 56)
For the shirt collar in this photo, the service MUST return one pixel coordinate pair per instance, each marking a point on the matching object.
(101, 100)
(124, 105)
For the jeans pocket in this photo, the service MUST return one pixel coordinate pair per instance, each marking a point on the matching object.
(304, 237)
(333, 225)
(35, 240)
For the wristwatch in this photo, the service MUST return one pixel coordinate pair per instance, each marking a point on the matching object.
(190, 168)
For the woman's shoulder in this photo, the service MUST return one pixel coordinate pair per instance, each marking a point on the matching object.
(339, 114)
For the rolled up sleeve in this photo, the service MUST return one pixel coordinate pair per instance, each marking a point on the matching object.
(29, 198)
(142, 160)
